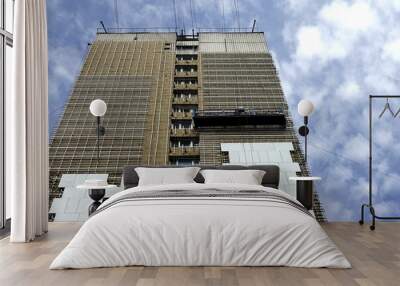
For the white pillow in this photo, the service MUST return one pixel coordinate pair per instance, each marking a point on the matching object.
(248, 177)
(166, 176)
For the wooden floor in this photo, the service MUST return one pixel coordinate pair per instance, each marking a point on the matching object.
(375, 257)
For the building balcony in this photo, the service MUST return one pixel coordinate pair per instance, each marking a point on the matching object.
(183, 132)
(185, 100)
(185, 62)
(185, 86)
(181, 115)
(185, 74)
(273, 118)
(187, 52)
(184, 151)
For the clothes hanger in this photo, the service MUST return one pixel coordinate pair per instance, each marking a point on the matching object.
(397, 113)
(387, 107)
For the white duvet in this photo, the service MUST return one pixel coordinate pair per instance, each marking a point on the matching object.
(200, 231)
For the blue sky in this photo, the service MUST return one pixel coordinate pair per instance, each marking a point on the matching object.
(334, 53)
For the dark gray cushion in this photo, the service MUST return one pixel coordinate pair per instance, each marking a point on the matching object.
(270, 179)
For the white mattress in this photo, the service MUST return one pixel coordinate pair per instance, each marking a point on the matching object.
(200, 231)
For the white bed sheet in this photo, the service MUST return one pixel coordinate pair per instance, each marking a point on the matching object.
(200, 231)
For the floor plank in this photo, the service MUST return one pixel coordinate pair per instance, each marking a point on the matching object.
(375, 257)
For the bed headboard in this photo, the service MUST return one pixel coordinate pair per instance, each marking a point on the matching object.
(271, 178)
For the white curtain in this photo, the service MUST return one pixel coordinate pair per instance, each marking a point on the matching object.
(27, 124)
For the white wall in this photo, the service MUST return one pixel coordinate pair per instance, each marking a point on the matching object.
(265, 154)
(232, 43)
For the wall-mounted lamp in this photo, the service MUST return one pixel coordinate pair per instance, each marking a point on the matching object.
(305, 108)
(98, 108)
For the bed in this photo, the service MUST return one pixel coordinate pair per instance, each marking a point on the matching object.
(201, 224)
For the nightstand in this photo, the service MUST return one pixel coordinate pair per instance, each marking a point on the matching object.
(304, 190)
(96, 193)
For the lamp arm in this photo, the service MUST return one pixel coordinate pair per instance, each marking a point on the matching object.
(98, 139)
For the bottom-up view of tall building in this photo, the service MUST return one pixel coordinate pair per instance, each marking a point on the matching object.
(209, 98)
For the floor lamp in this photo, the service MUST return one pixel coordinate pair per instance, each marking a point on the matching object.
(305, 184)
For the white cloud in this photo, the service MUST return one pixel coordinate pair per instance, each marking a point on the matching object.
(65, 64)
(298, 5)
(339, 54)
(338, 28)
(392, 50)
(349, 17)
(349, 90)
(387, 208)
(391, 182)
(384, 137)
(310, 42)
(337, 209)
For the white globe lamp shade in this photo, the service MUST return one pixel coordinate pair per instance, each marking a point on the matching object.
(98, 107)
(305, 107)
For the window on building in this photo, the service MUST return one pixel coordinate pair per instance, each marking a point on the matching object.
(225, 157)
(6, 61)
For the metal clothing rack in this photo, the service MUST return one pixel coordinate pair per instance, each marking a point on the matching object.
(370, 203)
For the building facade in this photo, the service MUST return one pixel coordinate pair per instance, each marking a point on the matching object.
(206, 98)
